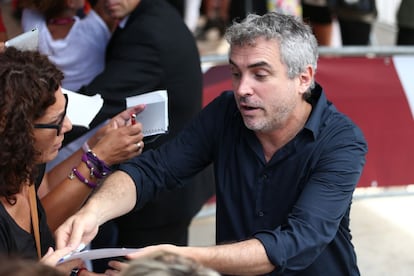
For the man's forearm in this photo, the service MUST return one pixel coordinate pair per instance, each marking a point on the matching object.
(116, 196)
(241, 258)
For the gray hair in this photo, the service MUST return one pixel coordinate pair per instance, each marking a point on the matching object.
(166, 264)
(297, 44)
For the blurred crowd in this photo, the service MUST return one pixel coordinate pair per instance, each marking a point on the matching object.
(209, 18)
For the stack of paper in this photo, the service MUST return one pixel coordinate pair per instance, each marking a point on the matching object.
(154, 118)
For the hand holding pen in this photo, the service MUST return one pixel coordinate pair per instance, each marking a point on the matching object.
(133, 119)
(133, 122)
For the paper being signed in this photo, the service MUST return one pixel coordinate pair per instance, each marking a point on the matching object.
(101, 253)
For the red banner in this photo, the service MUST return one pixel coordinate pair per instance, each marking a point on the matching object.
(370, 92)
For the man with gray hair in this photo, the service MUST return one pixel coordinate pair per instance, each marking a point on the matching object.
(286, 163)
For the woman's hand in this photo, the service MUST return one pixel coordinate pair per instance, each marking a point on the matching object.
(53, 257)
(119, 140)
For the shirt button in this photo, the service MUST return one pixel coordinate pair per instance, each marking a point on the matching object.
(264, 176)
(260, 214)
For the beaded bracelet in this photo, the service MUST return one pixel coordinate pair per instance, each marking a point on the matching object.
(78, 175)
(93, 171)
(99, 165)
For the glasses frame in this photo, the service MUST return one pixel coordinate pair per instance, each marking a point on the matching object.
(59, 125)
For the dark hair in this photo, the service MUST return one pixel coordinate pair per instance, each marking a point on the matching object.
(28, 82)
(15, 266)
(49, 8)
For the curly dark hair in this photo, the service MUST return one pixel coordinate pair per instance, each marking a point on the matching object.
(17, 266)
(28, 82)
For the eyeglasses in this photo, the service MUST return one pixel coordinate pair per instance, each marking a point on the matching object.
(59, 125)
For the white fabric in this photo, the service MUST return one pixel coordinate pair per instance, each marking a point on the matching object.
(81, 54)
(192, 13)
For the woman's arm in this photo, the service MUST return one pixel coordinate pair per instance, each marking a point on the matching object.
(62, 195)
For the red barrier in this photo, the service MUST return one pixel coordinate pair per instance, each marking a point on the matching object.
(369, 91)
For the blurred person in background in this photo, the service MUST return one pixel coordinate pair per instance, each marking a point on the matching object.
(75, 45)
(166, 264)
(405, 23)
(356, 19)
(317, 13)
(15, 266)
(189, 11)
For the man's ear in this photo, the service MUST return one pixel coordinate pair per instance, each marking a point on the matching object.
(306, 78)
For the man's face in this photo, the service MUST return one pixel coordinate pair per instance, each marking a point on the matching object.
(119, 9)
(265, 96)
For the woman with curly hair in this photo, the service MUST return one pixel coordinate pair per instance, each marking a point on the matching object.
(33, 123)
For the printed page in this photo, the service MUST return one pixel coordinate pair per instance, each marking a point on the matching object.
(154, 118)
(26, 41)
(101, 253)
(82, 109)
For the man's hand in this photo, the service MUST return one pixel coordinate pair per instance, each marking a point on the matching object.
(79, 228)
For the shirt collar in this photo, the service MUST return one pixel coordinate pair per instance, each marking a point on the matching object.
(123, 22)
(319, 104)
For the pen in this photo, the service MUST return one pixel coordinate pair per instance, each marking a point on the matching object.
(77, 250)
(133, 119)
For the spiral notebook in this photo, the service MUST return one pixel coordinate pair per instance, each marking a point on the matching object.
(154, 118)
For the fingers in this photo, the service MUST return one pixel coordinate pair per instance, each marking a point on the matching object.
(71, 265)
(52, 257)
(117, 265)
(140, 146)
(62, 234)
(111, 272)
(150, 250)
(126, 114)
(69, 236)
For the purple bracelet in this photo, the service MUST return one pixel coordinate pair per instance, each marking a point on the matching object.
(93, 170)
(98, 164)
(76, 173)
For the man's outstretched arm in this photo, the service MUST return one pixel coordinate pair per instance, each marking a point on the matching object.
(116, 196)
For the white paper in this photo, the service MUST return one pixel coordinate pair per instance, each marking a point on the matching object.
(101, 253)
(26, 41)
(154, 118)
(82, 109)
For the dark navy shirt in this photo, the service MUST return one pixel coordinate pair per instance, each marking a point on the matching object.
(297, 204)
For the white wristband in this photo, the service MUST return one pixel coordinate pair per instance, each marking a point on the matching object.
(85, 147)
